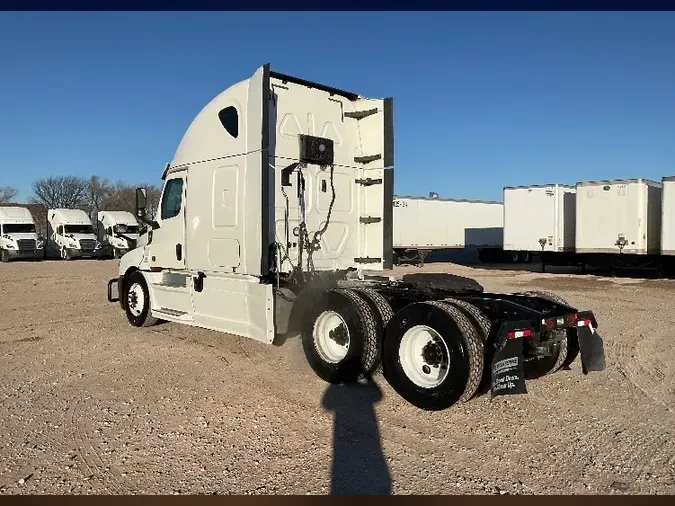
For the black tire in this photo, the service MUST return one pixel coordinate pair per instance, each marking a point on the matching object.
(548, 365)
(4, 255)
(384, 313)
(484, 326)
(144, 319)
(362, 352)
(462, 342)
(524, 257)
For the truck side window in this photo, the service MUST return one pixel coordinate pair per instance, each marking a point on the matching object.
(230, 120)
(172, 199)
(59, 230)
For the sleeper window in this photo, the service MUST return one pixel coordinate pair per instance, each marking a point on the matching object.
(172, 199)
(230, 120)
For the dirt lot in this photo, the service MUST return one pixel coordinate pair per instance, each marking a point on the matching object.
(93, 405)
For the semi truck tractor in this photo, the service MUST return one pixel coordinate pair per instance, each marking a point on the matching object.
(71, 235)
(18, 237)
(117, 232)
(276, 218)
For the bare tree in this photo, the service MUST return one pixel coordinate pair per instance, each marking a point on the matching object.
(99, 191)
(121, 198)
(153, 195)
(69, 192)
(7, 193)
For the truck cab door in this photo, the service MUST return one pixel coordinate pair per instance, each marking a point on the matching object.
(167, 248)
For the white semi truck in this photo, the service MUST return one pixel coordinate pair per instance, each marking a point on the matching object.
(117, 231)
(71, 235)
(276, 216)
(18, 237)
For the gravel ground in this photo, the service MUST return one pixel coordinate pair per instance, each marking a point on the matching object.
(93, 405)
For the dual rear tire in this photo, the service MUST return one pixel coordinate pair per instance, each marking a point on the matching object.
(431, 353)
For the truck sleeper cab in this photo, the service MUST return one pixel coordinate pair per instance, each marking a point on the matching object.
(71, 235)
(117, 232)
(276, 217)
(18, 236)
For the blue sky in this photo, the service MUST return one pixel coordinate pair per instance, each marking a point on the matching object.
(482, 100)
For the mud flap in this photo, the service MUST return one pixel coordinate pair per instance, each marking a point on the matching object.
(507, 374)
(591, 349)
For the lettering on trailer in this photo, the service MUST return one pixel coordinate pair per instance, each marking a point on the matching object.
(508, 375)
(400, 203)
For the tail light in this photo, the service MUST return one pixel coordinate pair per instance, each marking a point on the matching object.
(559, 322)
(513, 334)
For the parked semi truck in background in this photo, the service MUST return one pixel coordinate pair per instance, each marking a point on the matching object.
(71, 235)
(18, 236)
(117, 232)
(276, 217)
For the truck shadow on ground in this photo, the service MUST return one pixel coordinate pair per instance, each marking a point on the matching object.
(359, 465)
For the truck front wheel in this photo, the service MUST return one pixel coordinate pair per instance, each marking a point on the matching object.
(5, 255)
(340, 337)
(137, 301)
(432, 355)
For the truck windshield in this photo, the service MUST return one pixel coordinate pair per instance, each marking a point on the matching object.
(126, 229)
(79, 229)
(18, 228)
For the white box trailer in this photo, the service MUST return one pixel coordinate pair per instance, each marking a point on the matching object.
(668, 216)
(18, 237)
(539, 218)
(618, 216)
(429, 223)
(275, 207)
(426, 222)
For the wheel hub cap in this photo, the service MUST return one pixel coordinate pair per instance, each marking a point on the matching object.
(424, 356)
(331, 337)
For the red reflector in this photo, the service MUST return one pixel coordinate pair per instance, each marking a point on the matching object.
(572, 319)
(155, 269)
(584, 323)
(512, 334)
(550, 323)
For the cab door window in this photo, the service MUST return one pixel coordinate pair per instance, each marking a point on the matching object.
(172, 198)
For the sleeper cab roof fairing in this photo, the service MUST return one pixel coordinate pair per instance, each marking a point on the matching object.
(205, 139)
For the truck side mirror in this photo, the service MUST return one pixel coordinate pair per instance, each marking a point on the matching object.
(141, 199)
